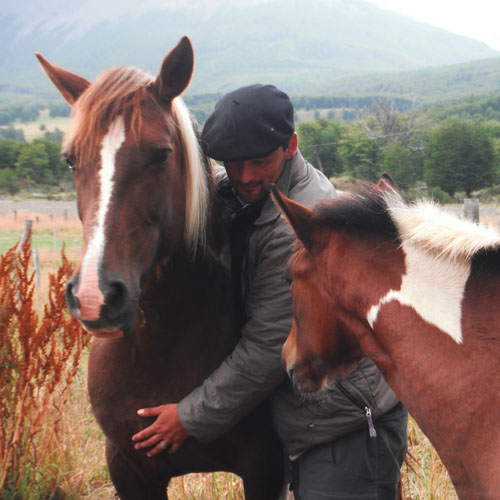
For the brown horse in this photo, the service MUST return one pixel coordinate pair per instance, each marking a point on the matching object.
(152, 285)
(418, 291)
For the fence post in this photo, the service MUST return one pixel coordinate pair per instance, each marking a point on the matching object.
(37, 270)
(471, 209)
(27, 228)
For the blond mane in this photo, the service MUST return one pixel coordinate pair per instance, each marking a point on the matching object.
(428, 226)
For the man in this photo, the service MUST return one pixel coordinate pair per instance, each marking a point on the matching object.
(331, 442)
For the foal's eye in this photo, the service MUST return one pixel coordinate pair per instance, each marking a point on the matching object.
(160, 157)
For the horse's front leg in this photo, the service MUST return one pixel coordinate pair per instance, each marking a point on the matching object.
(132, 483)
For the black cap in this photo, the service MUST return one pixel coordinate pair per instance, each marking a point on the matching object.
(250, 122)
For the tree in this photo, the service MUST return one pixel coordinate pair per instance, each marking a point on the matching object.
(40, 163)
(9, 183)
(9, 152)
(401, 164)
(390, 125)
(459, 156)
(12, 133)
(319, 143)
(361, 154)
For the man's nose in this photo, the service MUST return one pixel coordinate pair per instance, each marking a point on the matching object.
(246, 173)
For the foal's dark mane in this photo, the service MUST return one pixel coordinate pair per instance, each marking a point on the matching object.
(422, 224)
(366, 211)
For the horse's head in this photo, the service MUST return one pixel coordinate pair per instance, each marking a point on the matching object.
(328, 273)
(141, 183)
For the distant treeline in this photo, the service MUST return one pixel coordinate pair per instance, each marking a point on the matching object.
(445, 149)
(476, 108)
(202, 105)
(9, 114)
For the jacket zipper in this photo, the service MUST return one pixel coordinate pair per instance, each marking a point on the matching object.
(363, 406)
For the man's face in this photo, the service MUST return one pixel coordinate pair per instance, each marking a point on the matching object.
(252, 178)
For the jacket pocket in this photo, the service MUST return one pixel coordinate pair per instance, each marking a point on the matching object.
(357, 398)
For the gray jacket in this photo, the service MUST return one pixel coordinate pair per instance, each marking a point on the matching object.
(254, 370)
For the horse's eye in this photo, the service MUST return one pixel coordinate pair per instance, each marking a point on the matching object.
(70, 161)
(160, 157)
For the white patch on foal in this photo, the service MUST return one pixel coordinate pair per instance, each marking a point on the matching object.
(89, 293)
(422, 288)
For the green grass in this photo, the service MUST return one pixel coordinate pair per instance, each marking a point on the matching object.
(44, 239)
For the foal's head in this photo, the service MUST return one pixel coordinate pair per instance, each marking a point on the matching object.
(361, 254)
(141, 183)
(329, 272)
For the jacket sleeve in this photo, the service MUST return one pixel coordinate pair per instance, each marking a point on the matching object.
(253, 370)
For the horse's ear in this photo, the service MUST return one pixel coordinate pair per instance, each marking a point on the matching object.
(300, 218)
(70, 85)
(176, 71)
(386, 183)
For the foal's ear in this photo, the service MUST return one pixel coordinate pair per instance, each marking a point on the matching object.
(69, 84)
(300, 218)
(176, 71)
(386, 183)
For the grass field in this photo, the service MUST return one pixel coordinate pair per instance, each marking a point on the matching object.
(79, 451)
(32, 129)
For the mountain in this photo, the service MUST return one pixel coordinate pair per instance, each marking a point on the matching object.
(428, 85)
(303, 46)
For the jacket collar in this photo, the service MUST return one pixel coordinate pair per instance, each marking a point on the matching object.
(293, 171)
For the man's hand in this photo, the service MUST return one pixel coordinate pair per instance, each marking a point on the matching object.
(166, 432)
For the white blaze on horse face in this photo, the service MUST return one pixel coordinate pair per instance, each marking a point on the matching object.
(89, 293)
(434, 287)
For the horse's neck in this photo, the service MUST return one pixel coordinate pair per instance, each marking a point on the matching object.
(185, 298)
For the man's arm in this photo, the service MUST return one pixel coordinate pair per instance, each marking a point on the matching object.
(253, 370)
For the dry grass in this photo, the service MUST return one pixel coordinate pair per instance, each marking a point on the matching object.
(39, 356)
(77, 451)
(32, 129)
(424, 476)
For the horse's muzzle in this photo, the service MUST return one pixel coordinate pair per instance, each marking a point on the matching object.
(105, 311)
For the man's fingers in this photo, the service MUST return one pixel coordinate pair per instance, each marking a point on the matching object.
(161, 446)
(147, 443)
(150, 412)
(145, 433)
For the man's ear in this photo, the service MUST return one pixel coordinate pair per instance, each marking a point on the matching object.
(292, 147)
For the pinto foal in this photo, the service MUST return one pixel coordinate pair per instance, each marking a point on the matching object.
(418, 291)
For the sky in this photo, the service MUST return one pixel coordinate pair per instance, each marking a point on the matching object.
(477, 19)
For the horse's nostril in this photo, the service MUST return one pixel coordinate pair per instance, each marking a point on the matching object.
(116, 297)
(71, 299)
